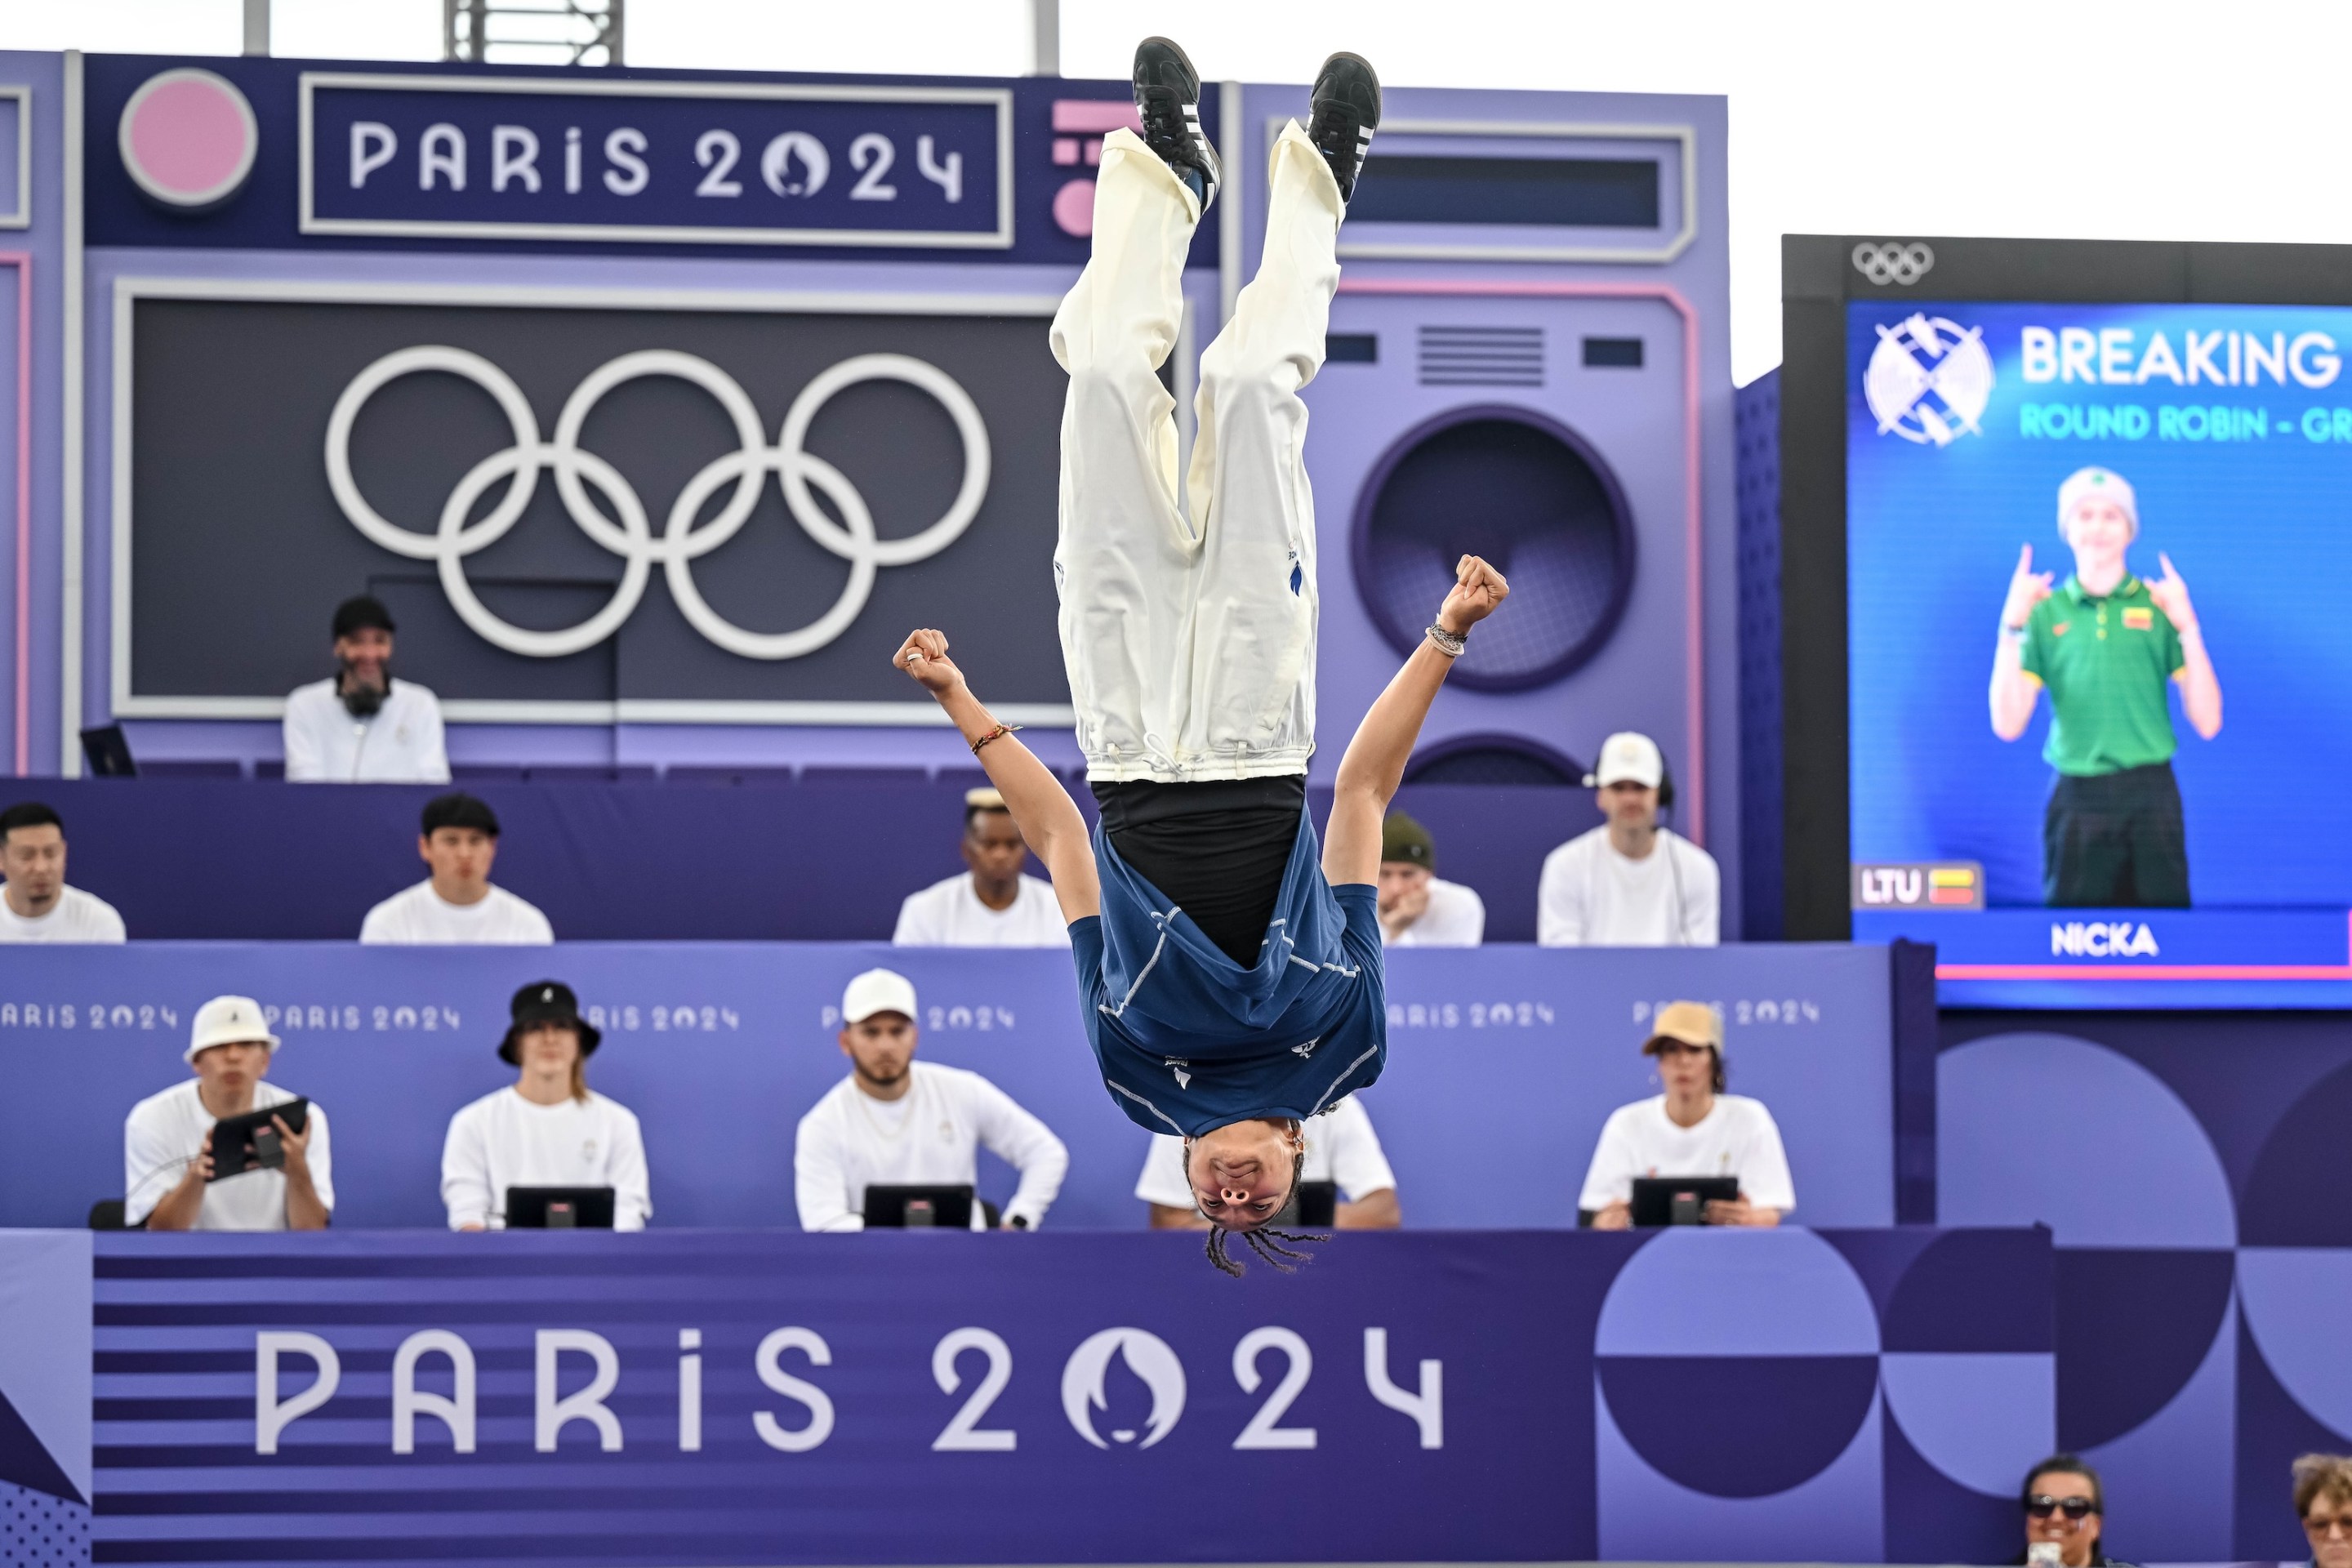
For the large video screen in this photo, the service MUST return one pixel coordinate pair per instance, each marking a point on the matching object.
(2100, 599)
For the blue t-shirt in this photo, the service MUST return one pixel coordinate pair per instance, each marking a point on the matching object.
(1189, 1040)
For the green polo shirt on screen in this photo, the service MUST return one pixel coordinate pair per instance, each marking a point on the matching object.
(2105, 661)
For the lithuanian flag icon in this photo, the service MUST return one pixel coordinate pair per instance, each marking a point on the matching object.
(1952, 885)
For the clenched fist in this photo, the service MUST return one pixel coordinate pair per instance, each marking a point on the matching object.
(924, 656)
(1477, 589)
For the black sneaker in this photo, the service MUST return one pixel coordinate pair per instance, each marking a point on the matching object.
(1168, 92)
(1347, 106)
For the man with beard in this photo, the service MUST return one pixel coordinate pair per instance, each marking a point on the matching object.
(360, 726)
(896, 1121)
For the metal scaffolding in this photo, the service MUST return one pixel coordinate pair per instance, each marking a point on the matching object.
(532, 32)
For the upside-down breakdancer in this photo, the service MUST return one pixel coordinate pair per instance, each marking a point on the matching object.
(1231, 986)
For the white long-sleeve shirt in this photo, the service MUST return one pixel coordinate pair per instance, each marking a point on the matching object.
(166, 1134)
(1591, 896)
(401, 743)
(504, 1141)
(929, 1135)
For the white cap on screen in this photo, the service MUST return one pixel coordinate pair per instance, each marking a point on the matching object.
(878, 991)
(229, 1021)
(2101, 484)
(1627, 757)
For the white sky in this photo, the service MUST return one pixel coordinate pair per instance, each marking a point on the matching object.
(2056, 118)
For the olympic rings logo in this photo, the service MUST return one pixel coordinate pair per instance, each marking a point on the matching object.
(625, 531)
(1884, 264)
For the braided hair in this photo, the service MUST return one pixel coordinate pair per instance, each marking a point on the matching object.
(1263, 1240)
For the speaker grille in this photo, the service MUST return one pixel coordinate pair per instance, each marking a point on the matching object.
(1482, 356)
(1508, 484)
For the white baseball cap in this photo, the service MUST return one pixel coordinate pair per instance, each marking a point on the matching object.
(878, 991)
(1627, 757)
(229, 1021)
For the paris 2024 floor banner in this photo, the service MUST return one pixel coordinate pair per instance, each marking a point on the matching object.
(760, 1397)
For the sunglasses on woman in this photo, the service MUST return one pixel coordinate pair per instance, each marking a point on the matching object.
(2041, 1506)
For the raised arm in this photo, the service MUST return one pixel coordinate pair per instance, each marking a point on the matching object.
(1374, 763)
(2014, 690)
(2200, 688)
(1048, 818)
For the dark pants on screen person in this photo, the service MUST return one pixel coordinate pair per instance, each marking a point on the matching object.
(2114, 841)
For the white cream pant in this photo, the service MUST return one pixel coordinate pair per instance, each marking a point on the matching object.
(1189, 640)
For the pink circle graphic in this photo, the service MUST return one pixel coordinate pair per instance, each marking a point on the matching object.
(1073, 208)
(188, 138)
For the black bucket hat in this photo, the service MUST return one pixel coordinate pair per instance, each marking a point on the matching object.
(547, 1001)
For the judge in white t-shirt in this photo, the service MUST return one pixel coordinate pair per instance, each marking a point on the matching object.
(1342, 1147)
(896, 1121)
(167, 1153)
(1629, 882)
(457, 905)
(1694, 1129)
(1417, 907)
(360, 725)
(35, 905)
(993, 904)
(548, 1128)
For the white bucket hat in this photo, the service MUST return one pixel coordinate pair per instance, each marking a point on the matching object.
(229, 1021)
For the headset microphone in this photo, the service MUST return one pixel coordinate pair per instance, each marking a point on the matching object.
(1666, 787)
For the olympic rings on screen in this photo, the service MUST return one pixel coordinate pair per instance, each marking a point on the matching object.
(1884, 264)
(621, 527)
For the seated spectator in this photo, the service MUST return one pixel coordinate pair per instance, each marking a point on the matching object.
(549, 1129)
(1629, 882)
(1417, 909)
(457, 905)
(1340, 1147)
(35, 905)
(994, 904)
(896, 1121)
(2323, 1500)
(359, 725)
(167, 1154)
(1694, 1129)
(2065, 1510)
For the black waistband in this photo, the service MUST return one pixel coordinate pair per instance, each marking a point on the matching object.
(1139, 803)
(1217, 849)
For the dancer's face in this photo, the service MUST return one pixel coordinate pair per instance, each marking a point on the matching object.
(1241, 1173)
